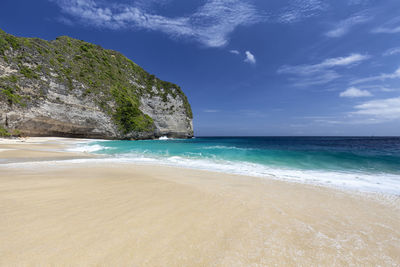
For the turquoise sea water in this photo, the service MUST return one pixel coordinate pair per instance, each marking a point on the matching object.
(361, 163)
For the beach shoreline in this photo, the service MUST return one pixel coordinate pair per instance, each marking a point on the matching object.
(14, 150)
(89, 213)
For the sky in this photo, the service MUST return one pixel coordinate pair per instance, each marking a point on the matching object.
(248, 67)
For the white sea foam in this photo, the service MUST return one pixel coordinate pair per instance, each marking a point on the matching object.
(167, 138)
(87, 148)
(226, 147)
(383, 183)
(365, 182)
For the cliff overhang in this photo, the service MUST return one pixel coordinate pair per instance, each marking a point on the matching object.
(71, 88)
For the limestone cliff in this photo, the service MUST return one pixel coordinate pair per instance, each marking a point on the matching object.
(67, 87)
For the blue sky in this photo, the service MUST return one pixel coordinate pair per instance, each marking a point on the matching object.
(248, 67)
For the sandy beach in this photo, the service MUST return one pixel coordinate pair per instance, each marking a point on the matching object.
(94, 214)
(39, 149)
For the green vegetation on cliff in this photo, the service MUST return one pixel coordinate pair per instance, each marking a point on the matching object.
(4, 132)
(112, 80)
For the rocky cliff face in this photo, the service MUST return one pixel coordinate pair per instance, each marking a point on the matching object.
(68, 87)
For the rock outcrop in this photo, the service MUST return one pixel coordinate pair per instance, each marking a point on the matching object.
(67, 87)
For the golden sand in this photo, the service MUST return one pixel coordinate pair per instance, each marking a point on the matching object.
(91, 214)
(38, 149)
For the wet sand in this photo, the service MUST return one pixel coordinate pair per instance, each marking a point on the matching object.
(90, 213)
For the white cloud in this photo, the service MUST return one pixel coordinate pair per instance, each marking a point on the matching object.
(392, 51)
(211, 110)
(368, 112)
(298, 10)
(211, 24)
(358, 2)
(380, 87)
(381, 77)
(386, 89)
(343, 61)
(322, 77)
(234, 52)
(250, 58)
(353, 92)
(344, 26)
(383, 109)
(387, 30)
(151, 3)
(327, 63)
(392, 26)
(323, 72)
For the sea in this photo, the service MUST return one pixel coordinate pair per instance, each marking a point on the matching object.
(368, 164)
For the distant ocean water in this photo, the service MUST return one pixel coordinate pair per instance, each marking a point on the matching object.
(369, 164)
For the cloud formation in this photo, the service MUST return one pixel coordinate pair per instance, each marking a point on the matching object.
(211, 24)
(211, 110)
(344, 26)
(357, 2)
(382, 77)
(326, 64)
(298, 10)
(387, 109)
(250, 58)
(392, 51)
(234, 52)
(387, 30)
(321, 73)
(390, 27)
(354, 92)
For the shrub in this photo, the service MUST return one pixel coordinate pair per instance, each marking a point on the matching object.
(127, 114)
(12, 98)
(27, 72)
(4, 132)
(107, 77)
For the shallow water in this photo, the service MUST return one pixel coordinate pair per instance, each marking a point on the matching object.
(362, 163)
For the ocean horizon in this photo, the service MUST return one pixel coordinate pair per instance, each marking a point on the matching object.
(366, 164)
